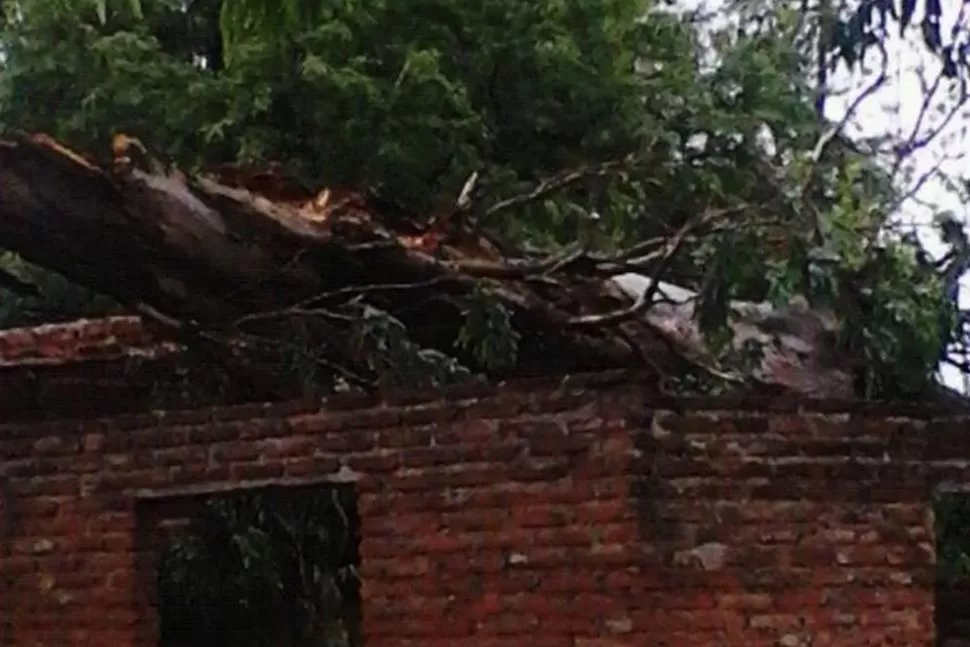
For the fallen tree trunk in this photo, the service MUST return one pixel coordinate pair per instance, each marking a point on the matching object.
(230, 268)
(197, 254)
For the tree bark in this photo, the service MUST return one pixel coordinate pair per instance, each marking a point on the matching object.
(200, 254)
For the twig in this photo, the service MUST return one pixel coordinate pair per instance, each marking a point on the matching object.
(663, 378)
(695, 361)
(920, 182)
(361, 290)
(464, 200)
(311, 306)
(645, 300)
(832, 132)
(914, 143)
(158, 317)
(516, 270)
(344, 372)
(578, 260)
(292, 311)
(559, 182)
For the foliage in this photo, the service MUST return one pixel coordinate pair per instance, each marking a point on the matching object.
(867, 24)
(952, 514)
(901, 338)
(402, 364)
(102, 8)
(263, 569)
(488, 332)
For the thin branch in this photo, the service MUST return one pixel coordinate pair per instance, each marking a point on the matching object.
(914, 143)
(313, 305)
(578, 261)
(346, 373)
(559, 182)
(832, 132)
(645, 300)
(924, 177)
(464, 201)
(357, 291)
(293, 311)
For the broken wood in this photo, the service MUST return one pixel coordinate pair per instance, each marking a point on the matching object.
(225, 260)
(194, 253)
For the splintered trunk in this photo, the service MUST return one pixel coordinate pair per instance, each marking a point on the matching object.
(216, 260)
(259, 275)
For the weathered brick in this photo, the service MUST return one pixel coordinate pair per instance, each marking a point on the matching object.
(474, 431)
(457, 454)
(310, 466)
(216, 432)
(586, 514)
(291, 446)
(227, 452)
(375, 463)
(252, 471)
(405, 436)
(55, 446)
(179, 455)
(270, 427)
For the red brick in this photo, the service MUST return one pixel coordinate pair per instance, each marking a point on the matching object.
(223, 453)
(179, 455)
(286, 447)
(396, 437)
(310, 466)
(558, 518)
(382, 463)
(255, 471)
(55, 446)
(215, 432)
(472, 432)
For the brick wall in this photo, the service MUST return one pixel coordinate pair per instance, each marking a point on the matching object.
(82, 368)
(579, 514)
(110, 366)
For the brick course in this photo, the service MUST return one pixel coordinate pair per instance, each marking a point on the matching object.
(575, 515)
